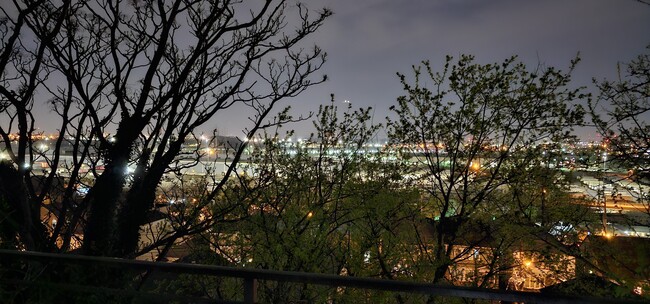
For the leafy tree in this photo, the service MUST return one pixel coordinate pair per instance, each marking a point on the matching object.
(620, 114)
(327, 204)
(470, 131)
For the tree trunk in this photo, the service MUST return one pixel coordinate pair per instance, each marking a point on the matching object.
(104, 198)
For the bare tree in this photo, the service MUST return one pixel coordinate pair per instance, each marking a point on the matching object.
(129, 82)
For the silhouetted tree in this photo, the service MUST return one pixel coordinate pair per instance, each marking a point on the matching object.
(128, 82)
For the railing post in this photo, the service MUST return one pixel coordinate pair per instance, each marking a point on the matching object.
(250, 290)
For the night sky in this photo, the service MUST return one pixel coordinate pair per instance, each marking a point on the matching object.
(368, 41)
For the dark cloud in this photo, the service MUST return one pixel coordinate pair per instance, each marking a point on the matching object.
(368, 41)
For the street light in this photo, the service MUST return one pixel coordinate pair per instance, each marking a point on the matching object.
(528, 263)
(209, 151)
(603, 190)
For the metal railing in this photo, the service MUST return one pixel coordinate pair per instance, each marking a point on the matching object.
(251, 277)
